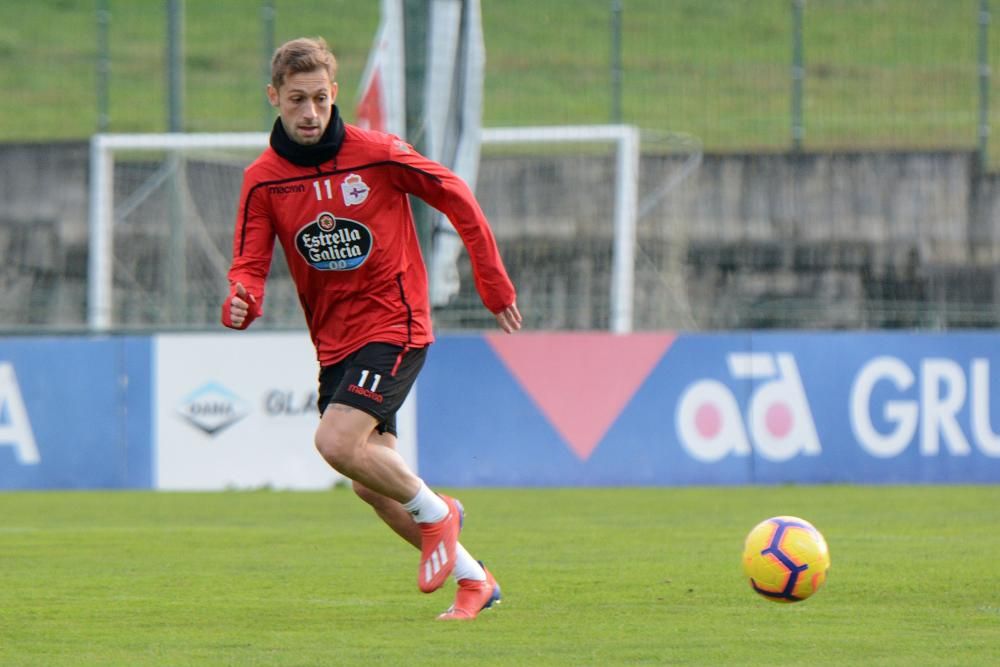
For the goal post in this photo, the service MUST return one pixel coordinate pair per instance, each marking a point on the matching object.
(100, 266)
(167, 153)
(626, 204)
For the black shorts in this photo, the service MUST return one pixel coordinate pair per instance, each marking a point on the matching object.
(375, 379)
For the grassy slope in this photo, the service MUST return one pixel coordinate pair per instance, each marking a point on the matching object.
(591, 577)
(885, 72)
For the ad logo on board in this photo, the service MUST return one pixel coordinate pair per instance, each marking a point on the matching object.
(213, 408)
(778, 424)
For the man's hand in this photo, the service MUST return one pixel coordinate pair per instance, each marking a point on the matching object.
(239, 306)
(509, 318)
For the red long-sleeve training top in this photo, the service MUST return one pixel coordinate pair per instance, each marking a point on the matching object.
(348, 235)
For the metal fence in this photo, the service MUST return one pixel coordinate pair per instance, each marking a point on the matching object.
(761, 75)
(838, 145)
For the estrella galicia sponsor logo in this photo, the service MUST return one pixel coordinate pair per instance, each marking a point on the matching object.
(285, 189)
(213, 408)
(329, 243)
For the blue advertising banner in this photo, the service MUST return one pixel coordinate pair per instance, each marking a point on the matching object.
(75, 413)
(739, 408)
(573, 409)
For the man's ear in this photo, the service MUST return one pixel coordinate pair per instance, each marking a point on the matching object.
(333, 92)
(272, 95)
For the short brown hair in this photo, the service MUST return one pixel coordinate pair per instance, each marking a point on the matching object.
(302, 55)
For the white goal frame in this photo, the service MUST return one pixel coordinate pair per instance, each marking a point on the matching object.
(100, 260)
(625, 138)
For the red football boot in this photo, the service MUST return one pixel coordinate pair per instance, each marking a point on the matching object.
(472, 597)
(437, 547)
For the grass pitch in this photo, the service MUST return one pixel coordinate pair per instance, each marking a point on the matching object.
(590, 577)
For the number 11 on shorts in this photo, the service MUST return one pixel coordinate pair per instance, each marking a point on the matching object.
(376, 378)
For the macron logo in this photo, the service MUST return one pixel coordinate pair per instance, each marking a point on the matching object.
(367, 393)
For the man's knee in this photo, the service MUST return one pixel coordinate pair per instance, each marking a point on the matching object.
(337, 446)
(341, 437)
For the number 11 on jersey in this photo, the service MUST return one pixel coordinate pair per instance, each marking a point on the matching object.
(327, 185)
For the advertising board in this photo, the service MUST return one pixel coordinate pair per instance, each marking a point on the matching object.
(728, 408)
(74, 412)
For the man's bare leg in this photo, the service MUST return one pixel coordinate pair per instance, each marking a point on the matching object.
(387, 509)
(400, 521)
(391, 512)
(342, 438)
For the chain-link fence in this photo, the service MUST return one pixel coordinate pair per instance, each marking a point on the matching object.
(806, 163)
(767, 74)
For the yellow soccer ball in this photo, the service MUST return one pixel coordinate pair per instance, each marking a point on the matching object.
(785, 559)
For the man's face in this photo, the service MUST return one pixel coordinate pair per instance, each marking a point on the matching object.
(305, 103)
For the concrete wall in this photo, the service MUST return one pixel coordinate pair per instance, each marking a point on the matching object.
(43, 234)
(824, 230)
(875, 197)
(831, 240)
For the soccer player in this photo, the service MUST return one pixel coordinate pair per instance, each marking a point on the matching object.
(335, 197)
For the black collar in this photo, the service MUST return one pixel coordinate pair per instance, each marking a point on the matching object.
(316, 154)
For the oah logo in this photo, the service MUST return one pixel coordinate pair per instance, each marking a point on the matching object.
(710, 423)
(213, 408)
(334, 244)
(15, 425)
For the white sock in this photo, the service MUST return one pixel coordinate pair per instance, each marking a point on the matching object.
(467, 567)
(426, 506)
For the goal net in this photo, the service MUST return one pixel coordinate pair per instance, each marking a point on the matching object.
(161, 229)
(580, 215)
